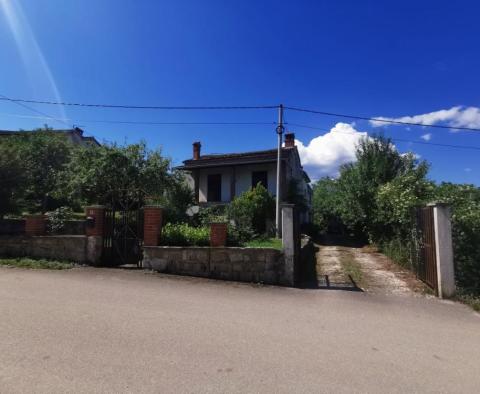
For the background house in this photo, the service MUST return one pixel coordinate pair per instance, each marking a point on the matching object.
(218, 178)
(75, 135)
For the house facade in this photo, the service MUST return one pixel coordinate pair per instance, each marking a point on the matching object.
(219, 178)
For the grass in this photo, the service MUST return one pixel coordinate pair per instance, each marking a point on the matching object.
(25, 262)
(274, 243)
(472, 300)
(352, 268)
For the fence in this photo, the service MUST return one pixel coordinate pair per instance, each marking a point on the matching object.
(432, 254)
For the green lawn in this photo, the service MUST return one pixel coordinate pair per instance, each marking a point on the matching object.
(25, 262)
(274, 243)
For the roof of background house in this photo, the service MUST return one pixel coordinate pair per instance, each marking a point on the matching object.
(225, 159)
(75, 135)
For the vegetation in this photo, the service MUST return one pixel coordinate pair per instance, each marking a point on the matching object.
(56, 219)
(30, 165)
(250, 213)
(182, 234)
(42, 171)
(24, 262)
(273, 243)
(352, 269)
(374, 198)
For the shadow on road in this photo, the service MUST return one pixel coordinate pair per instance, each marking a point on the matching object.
(310, 278)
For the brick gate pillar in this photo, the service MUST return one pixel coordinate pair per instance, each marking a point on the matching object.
(152, 225)
(35, 225)
(218, 234)
(95, 220)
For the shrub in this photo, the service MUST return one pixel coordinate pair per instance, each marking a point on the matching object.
(250, 212)
(399, 250)
(56, 219)
(182, 234)
(208, 215)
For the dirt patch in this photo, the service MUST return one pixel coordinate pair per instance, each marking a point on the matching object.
(371, 271)
(378, 278)
(330, 268)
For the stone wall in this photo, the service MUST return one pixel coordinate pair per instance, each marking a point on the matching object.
(259, 265)
(77, 248)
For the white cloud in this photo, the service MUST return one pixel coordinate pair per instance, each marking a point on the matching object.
(324, 154)
(458, 116)
(426, 137)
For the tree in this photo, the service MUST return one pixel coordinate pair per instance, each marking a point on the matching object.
(465, 203)
(396, 199)
(378, 163)
(177, 197)
(326, 204)
(251, 210)
(12, 177)
(109, 173)
(42, 156)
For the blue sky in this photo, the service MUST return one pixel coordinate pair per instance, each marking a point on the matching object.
(370, 58)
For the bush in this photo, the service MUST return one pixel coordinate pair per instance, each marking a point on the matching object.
(56, 219)
(399, 250)
(250, 211)
(182, 234)
(208, 215)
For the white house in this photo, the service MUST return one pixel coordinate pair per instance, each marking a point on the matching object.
(218, 178)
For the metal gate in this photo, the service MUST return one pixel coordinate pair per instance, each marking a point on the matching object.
(123, 235)
(426, 260)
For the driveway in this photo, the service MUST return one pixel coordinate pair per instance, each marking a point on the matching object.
(117, 331)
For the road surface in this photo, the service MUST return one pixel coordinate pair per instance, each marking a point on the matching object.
(114, 331)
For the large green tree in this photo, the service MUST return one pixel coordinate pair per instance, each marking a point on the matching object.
(109, 173)
(39, 157)
(325, 204)
(377, 163)
(12, 177)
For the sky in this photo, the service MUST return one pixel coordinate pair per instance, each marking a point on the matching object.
(414, 61)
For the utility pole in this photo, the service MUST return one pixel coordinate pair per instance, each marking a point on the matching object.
(280, 130)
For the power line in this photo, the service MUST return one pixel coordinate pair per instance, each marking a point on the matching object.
(140, 106)
(79, 121)
(311, 111)
(2, 97)
(122, 106)
(394, 139)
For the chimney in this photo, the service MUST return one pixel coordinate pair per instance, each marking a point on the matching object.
(196, 150)
(289, 140)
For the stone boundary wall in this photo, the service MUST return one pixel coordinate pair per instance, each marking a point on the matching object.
(259, 265)
(76, 248)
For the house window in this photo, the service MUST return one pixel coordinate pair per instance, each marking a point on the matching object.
(214, 193)
(260, 176)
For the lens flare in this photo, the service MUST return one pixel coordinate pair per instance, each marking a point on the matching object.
(33, 59)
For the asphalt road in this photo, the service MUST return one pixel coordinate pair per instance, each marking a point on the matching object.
(113, 331)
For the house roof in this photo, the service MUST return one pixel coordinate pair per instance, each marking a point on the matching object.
(75, 135)
(228, 159)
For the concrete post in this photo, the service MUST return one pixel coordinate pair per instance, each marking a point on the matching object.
(152, 224)
(288, 240)
(444, 250)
